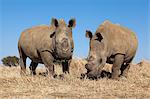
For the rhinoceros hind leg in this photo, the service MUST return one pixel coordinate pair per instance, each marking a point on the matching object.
(23, 58)
(125, 68)
(32, 67)
(119, 59)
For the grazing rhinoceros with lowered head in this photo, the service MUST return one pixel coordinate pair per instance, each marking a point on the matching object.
(47, 44)
(111, 44)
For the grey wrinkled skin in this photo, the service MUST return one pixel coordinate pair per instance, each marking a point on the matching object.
(111, 44)
(47, 44)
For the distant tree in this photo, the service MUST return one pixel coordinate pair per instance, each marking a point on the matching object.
(10, 61)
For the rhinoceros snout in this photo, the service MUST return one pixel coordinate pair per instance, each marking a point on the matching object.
(87, 68)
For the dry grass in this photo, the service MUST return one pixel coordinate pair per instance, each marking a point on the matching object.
(12, 85)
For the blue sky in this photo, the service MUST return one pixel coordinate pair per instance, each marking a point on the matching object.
(17, 15)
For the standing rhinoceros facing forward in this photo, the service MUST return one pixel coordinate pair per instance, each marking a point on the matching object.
(46, 44)
(112, 44)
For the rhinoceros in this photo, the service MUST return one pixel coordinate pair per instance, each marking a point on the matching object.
(47, 44)
(113, 44)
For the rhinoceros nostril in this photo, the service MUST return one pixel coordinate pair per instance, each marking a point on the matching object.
(86, 66)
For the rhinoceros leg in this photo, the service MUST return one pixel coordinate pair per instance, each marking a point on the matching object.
(32, 67)
(125, 68)
(47, 59)
(118, 61)
(23, 58)
(65, 66)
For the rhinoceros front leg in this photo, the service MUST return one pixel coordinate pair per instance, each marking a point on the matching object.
(47, 59)
(65, 66)
(118, 61)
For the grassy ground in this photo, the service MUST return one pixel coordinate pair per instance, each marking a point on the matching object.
(12, 85)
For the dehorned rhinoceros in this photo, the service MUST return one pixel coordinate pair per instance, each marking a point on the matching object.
(47, 44)
(111, 44)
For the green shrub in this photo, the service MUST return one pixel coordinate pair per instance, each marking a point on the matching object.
(10, 61)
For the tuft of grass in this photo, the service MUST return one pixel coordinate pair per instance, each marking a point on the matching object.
(12, 85)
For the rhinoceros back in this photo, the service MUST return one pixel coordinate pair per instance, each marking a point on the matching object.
(36, 39)
(120, 39)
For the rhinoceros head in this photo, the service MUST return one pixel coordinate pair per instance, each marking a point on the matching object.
(96, 58)
(63, 37)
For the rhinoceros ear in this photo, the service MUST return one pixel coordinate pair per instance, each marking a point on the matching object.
(88, 34)
(99, 37)
(54, 22)
(72, 23)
